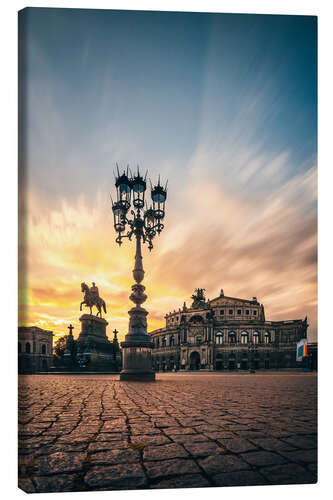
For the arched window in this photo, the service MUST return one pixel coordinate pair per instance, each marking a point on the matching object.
(244, 337)
(164, 341)
(232, 338)
(19, 347)
(172, 340)
(27, 347)
(255, 337)
(43, 349)
(196, 319)
(219, 338)
(267, 338)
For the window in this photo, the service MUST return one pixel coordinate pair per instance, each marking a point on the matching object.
(232, 338)
(244, 338)
(255, 337)
(230, 311)
(158, 342)
(219, 338)
(43, 349)
(163, 341)
(255, 313)
(267, 338)
(27, 348)
(222, 312)
(172, 340)
(247, 312)
(239, 311)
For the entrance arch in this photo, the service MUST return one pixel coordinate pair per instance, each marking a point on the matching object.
(195, 361)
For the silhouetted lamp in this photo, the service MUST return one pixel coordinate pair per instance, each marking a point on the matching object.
(143, 224)
(123, 185)
(158, 195)
(118, 214)
(139, 188)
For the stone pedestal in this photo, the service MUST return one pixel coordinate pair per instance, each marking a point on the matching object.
(136, 350)
(93, 329)
(94, 345)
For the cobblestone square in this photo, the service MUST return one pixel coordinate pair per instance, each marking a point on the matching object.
(93, 432)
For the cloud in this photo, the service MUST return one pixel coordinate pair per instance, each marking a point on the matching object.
(241, 208)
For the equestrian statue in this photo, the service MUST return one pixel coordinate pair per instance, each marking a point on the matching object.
(92, 298)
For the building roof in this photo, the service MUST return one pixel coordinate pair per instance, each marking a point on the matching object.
(34, 329)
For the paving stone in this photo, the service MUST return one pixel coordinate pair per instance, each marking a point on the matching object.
(164, 452)
(58, 483)
(203, 449)
(95, 446)
(156, 440)
(116, 476)
(302, 456)
(236, 445)
(236, 427)
(222, 463)
(261, 458)
(288, 474)
(173, 431)
(171, 467)
(239, 478)
(189, 438)
(105, 436)
(114, 457)
(60, 462)
(272, 444)
(186, 481)
(303, 442)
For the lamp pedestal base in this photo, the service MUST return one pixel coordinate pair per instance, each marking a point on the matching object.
(137, 361)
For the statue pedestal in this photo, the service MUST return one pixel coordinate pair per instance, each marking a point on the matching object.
(94, 348)
(93, 329)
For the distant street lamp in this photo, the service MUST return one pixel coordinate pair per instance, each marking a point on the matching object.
(144, 223)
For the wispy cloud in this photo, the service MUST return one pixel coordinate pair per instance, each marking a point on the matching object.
(221, 115)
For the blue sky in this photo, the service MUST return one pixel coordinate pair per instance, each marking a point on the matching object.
(223, 105)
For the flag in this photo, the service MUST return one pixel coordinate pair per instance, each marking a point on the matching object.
(301, 350)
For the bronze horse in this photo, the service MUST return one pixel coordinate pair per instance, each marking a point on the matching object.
(90, 300)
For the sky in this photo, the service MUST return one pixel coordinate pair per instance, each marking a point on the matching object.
(224, 106)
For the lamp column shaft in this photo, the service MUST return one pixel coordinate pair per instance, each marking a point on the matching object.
(138, 272)
(137, 358)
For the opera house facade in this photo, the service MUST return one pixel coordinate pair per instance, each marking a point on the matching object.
(225, 333)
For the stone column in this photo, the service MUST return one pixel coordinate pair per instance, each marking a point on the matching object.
(137, 348)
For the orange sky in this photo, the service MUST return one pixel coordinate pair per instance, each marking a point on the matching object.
(248, 247)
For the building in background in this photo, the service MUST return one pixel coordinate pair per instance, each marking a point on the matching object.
(226, 333)
(34, 349)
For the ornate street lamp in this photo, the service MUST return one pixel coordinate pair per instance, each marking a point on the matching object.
(143, 223)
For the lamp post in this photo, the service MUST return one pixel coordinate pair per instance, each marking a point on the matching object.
(143, 223)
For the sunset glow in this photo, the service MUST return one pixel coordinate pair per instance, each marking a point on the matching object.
(232, 127)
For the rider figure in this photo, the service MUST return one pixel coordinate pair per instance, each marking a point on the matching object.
(94, 291)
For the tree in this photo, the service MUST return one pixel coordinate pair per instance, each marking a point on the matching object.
(60, 346)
